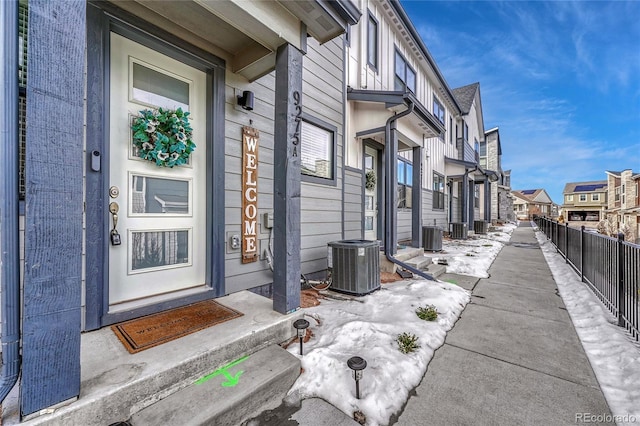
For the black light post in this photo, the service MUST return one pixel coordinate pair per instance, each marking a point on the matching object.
(357, 364)
(301, 325)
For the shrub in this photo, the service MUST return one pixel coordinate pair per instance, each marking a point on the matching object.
(427, 313)
(407, 343)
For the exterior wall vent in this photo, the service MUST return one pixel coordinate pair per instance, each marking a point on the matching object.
(355, 266)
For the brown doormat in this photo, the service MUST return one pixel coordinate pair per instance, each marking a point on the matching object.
(143, 333)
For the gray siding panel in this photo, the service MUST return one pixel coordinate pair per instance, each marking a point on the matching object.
(404, 225)
(353, 204)
(429, 214)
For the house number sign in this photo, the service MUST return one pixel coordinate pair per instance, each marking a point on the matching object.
(250, 139)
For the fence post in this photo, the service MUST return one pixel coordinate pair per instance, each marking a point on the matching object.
(555, 236)
(566, 242)
(582, 253)
(620, 280)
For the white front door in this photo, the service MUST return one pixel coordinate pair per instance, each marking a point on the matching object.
(161, 216)
(371, 194)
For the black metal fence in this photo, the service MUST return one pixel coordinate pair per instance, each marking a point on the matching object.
(609, 266)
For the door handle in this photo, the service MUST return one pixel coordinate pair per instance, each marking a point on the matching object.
(115, 237)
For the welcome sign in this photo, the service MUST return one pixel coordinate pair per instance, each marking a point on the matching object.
(250, 139)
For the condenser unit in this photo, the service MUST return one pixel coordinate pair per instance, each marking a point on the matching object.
(432, 238)
(458, 231)
(480, 226)
(355, 266)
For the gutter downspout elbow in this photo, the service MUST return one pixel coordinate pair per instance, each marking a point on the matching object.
(9, 210)
(388, 218)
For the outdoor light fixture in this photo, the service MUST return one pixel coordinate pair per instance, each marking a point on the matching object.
(301, 325)
(357, 364)
(246, 100)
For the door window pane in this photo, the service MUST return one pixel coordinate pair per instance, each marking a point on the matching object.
(158, 89)
(368, 223)
(159, 196)
(159, 249)
(369, 202)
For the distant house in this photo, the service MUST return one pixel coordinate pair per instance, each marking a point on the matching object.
(501, 207)
(528, 203)
(584, 201)
(624, 199)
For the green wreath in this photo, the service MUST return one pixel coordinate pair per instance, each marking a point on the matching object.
(370, 181)
(163, 136)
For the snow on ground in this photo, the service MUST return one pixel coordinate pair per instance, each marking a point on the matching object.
(368, 327)
(614, 357)
(475, 255)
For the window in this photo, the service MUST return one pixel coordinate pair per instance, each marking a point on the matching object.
(372, 42)
(466, 132)
(405, 178)
(438, 110)
(22, 94)
(317, 150)
(476, 146)
(569, 198)
(617, 194)
(451, 130)
(438, 192)
(483, 148)
(595, 197)
(405, 75)
(583, 197)
(476, 195)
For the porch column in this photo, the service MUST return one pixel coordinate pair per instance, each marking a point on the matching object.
(54, 204)
(487, 200)
(464, 198)
(416, 198)
(472, 199)
(286, 185)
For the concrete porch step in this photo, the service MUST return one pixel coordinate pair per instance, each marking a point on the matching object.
(419, 262)
(227, 397)
(436, 270)
(116, 385)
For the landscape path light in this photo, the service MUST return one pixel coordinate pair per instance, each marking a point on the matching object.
(357, 364)
(301, 325)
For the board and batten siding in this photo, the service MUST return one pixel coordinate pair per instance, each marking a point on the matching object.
(323, 98)
(352, 203)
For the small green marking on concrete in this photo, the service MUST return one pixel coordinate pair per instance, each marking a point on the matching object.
(452, 282)
(231, 380)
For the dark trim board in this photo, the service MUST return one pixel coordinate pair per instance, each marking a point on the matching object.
(100, 22)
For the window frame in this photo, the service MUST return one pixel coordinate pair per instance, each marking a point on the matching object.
(438, 201)
(373, 21)
(595, 197)
(441, 110)
(476, 195)
(406, 68)
(403, 184)
(465, 132)
(333, 130)
(580, 196)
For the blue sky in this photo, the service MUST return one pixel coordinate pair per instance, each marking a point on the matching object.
(560, 79)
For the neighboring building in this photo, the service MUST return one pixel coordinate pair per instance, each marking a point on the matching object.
(405, 122)
(624, 199)
(529, 203)
(491, 160)
(584, 201)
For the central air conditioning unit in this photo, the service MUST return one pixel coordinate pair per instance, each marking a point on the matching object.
(458, 230)
(480, 226)
(355, 266)
(432, 238)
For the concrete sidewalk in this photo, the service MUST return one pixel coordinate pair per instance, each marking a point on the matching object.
(513, 357)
